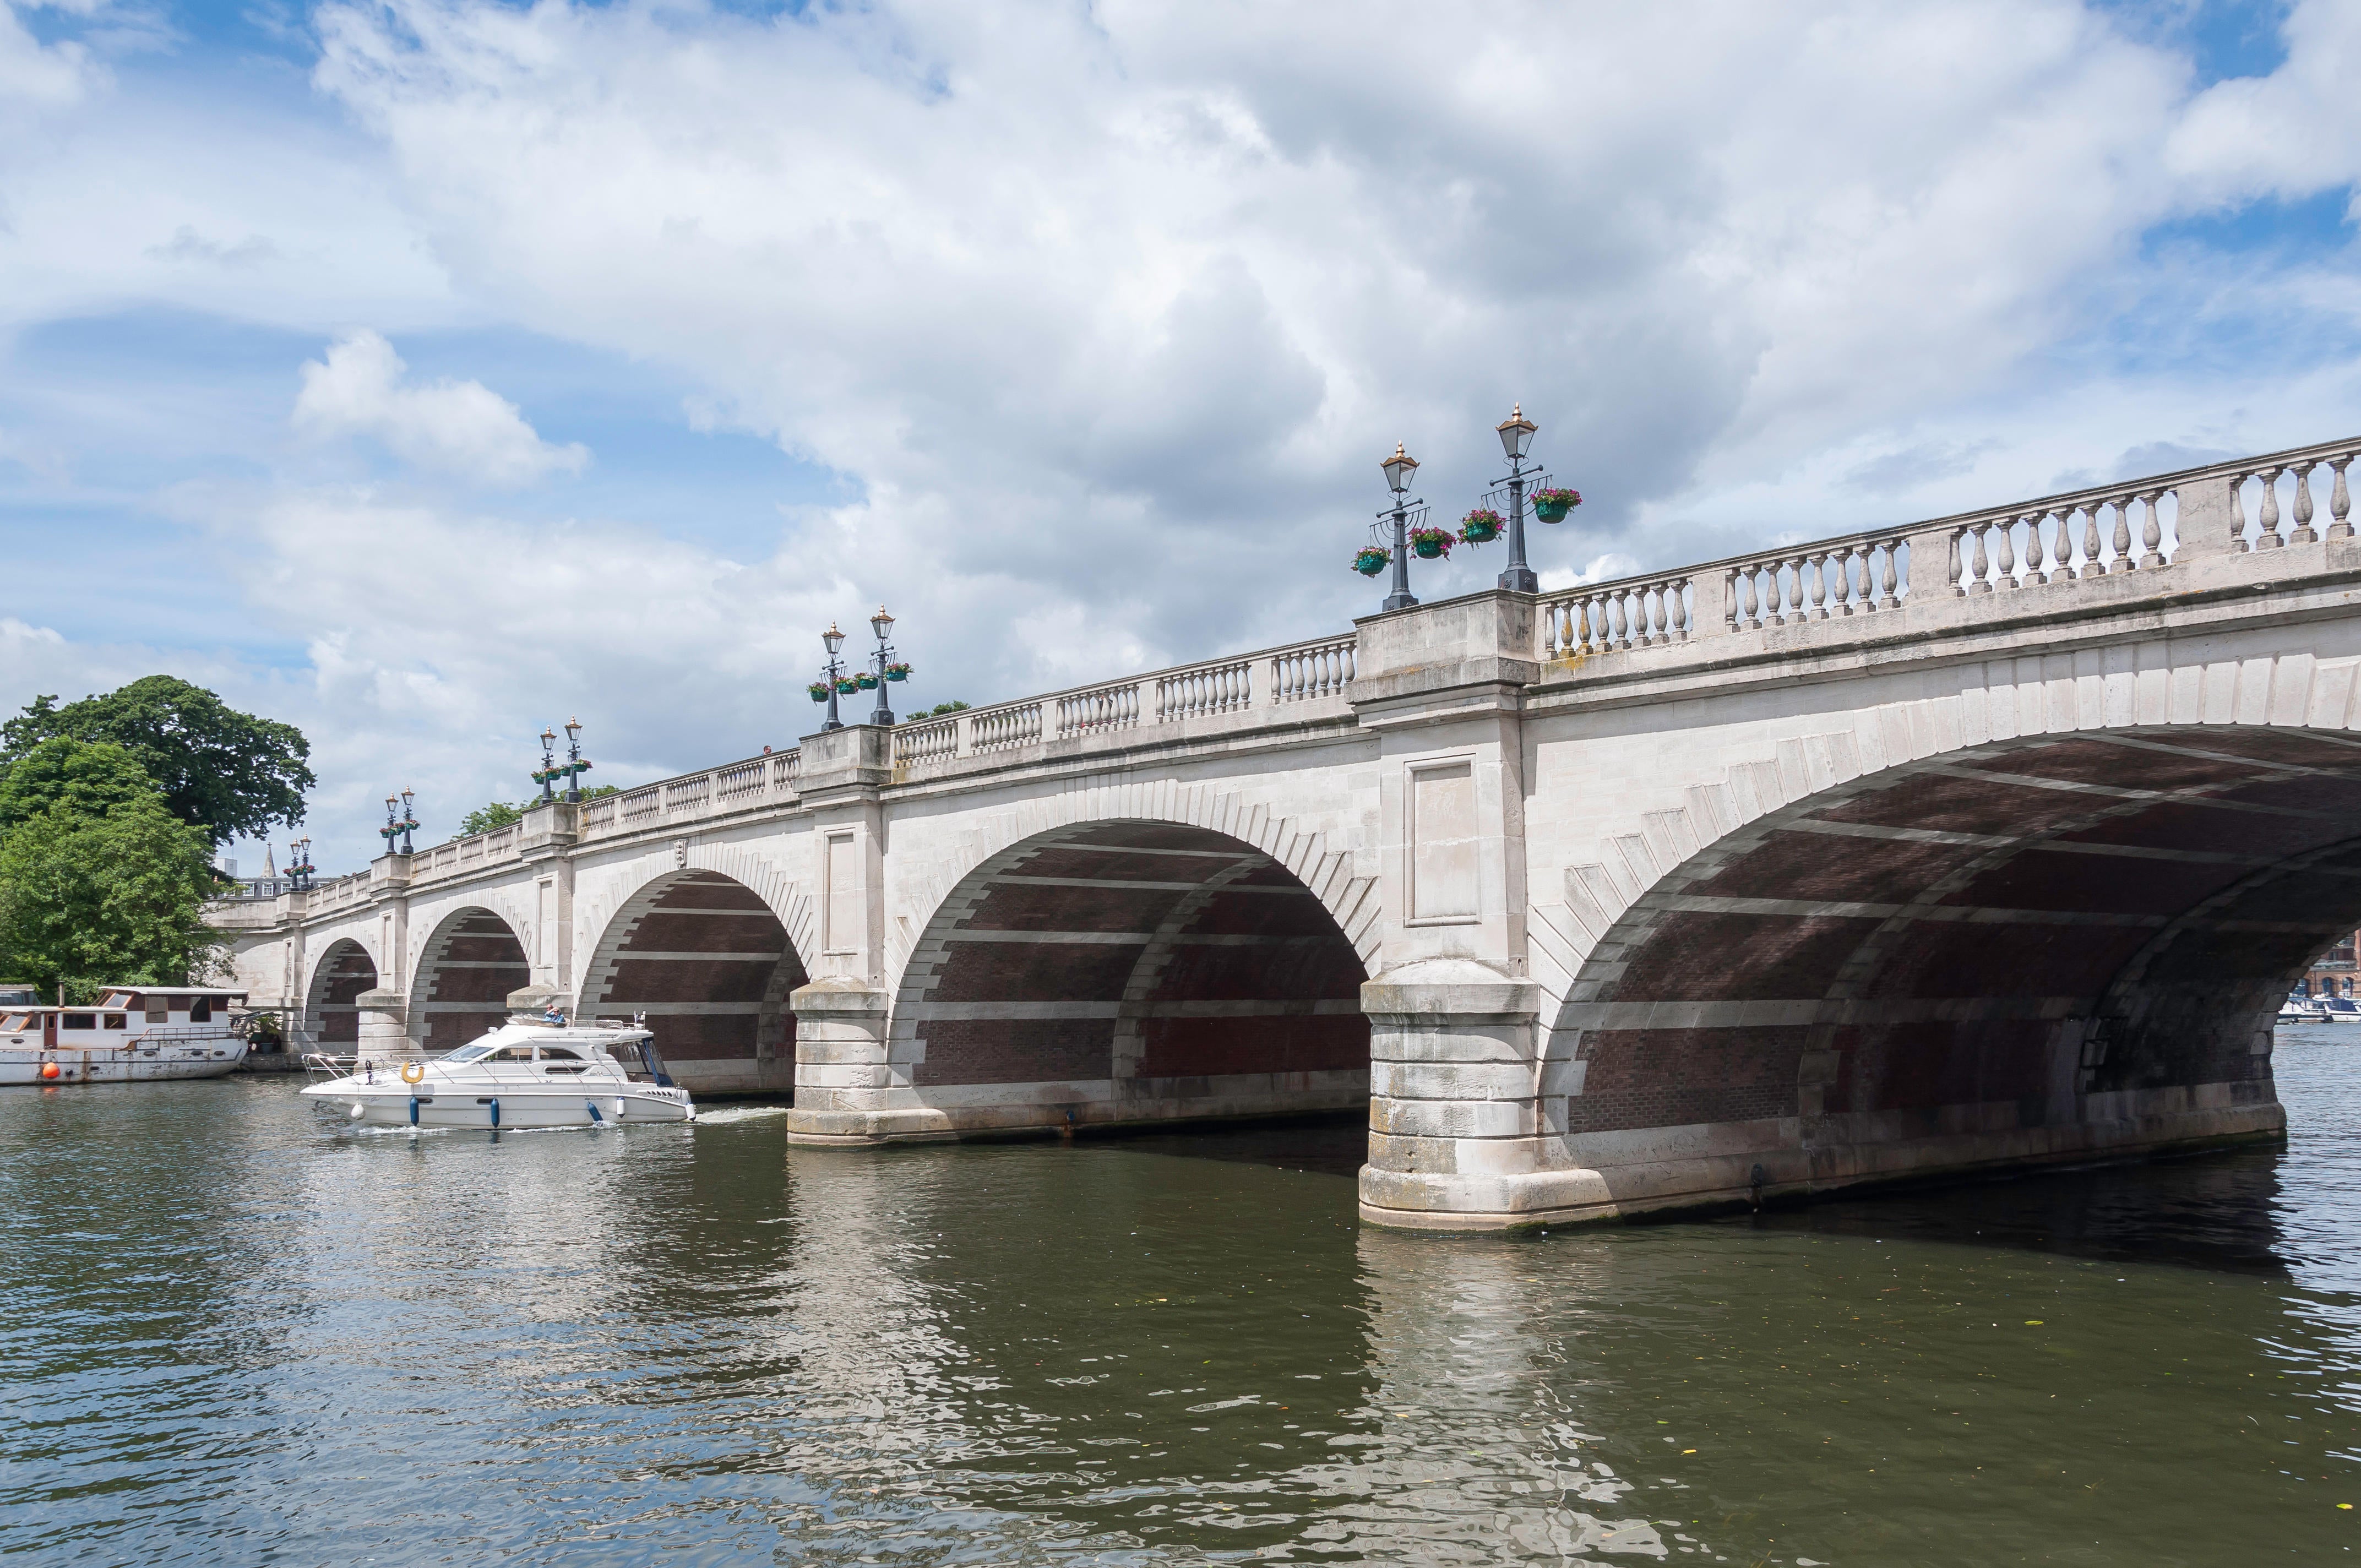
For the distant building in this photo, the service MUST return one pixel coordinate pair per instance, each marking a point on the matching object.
(2335, 970)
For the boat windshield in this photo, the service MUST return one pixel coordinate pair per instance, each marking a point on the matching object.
(476, 1052)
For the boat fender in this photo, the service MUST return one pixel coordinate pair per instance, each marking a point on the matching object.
(414, 1110)
(413, 1071)
(49, 1069)
(358, 1111)
(617, 1105)
(496, 1114)
(592, 1105)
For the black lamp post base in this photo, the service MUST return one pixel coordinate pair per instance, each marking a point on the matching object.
(884, 716)
(1521, 580)
(1398, 601)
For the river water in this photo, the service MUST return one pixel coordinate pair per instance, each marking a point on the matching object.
(233, 1330)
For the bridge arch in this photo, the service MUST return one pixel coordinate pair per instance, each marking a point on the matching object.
(344, 968)
(2029, 948)
(1129, 971)
(708, 959)
(466, 966)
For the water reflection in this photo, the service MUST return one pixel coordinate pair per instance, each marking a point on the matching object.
(229, 1328)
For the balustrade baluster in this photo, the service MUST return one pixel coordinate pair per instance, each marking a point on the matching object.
(2303, 533)
(1746, 598)
(1888, 573)
(2340, 503)
(2035, 553)
(2123, 560)
(1659, 617)
(1982, 564)
(2005, 554)
(1952, 572)
(2152, 530)
(2238, 511)
(2268, 537)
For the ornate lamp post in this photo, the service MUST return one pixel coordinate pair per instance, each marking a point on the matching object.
(546, 776)
(299, 864)
(398, 823)
(888, 668)
(832, 673)
(1401, 469)
(575, 766)
(1549, 505)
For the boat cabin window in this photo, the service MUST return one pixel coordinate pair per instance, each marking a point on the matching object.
(158, 1009)
(201, 1010)
(16, 1023)
(511, 1053)
(559, 1053)
(79, 1021)
(116, 1021)
(469, 1053)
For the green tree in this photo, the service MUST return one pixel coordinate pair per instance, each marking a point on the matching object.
(228, 772)
(942, 707)
(86, 778)
(87, 902)
(490, 814)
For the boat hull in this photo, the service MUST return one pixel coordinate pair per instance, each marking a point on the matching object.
(22, 1065)
(628, 1105)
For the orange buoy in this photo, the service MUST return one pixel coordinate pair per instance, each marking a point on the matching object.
(49, 1069)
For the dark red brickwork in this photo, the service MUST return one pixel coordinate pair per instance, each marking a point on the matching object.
(344, 974)
(1823, 866)
(1672, 1078)
(738, 993)
(474, 959)
(2154, 971)
(2066, 880)
(1215, 886)
(1750, 958)
(1187, 1048)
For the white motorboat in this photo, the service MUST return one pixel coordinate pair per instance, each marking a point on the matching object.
(2300, 1009)
(527, 1073)
(131, 1035)
(2339, 1009)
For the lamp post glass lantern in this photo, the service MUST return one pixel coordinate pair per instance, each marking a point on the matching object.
(575, 765)
(398, 823)
(299, 864)
(546, 774)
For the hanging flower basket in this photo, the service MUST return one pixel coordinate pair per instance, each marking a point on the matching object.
(847, 686)
(1552, 505)
(1480, 527)
(866, 681)
(1371, 560)
(819, 690)
(897, 672)
(1430, 542)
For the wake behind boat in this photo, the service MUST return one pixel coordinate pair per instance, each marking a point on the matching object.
(526, 1073)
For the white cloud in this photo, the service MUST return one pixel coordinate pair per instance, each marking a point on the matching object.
(461, 428)
(36, 75)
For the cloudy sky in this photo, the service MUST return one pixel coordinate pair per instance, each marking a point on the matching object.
(426, 371)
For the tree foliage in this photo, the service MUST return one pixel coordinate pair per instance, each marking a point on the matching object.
(490, 814)
(86, 778)
(113, 899)
(228, 772)
(942, 707)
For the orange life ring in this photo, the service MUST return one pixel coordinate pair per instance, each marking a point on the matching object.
(413, 1071)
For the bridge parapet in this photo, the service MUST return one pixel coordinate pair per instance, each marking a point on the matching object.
(2106, 531)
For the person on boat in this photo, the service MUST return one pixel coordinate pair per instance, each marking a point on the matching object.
(556, 1016)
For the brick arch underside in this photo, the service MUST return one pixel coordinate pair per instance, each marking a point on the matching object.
(710, 964)
(1136, 970)
(466, 969)
(343, 971)
(2026, 934)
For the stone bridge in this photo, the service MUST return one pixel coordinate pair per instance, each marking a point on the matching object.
(1979, 842)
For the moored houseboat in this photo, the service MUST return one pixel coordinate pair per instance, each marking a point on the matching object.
(131, 1033)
